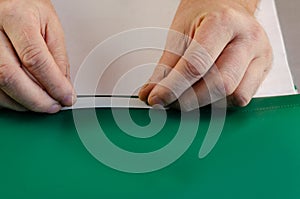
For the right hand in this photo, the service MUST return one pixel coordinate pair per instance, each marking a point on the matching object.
(216, 49)
(34, 68)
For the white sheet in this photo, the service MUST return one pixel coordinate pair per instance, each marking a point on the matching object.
(90, 22)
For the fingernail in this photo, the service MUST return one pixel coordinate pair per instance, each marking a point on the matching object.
(54, 108)
(69, 100)
(156, 101)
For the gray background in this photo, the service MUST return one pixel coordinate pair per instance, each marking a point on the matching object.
(289, 15)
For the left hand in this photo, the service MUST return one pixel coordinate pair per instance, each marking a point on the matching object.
(34, 67)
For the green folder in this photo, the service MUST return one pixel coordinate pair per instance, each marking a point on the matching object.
(256, 156)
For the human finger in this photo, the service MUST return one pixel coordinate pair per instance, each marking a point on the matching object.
(209, 41)
(223, 78)
(55, 41)
(176, 44)
(254, 76)
(34, 54)
(18, 85)
(9, 103)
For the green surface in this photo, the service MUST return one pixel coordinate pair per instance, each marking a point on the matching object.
(257, 156)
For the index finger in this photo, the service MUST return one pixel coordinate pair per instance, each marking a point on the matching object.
(207, 45)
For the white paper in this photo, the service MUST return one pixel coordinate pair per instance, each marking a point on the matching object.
(279, 81)
(90, 22)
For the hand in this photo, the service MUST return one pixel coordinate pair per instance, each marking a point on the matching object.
(228, 55)
(34, 68)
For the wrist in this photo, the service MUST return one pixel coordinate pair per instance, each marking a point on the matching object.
(248, 5)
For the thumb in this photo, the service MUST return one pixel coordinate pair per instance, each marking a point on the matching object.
(189, 69)
(163, 68)
(175, 47)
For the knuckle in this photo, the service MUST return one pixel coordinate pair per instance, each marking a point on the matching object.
(192, 71)
(197, 62)
(224, 16)
(256, 33)
(32, 57)
(268, 53)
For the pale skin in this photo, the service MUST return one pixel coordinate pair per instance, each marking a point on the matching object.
(34, 68)
(232, 39)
